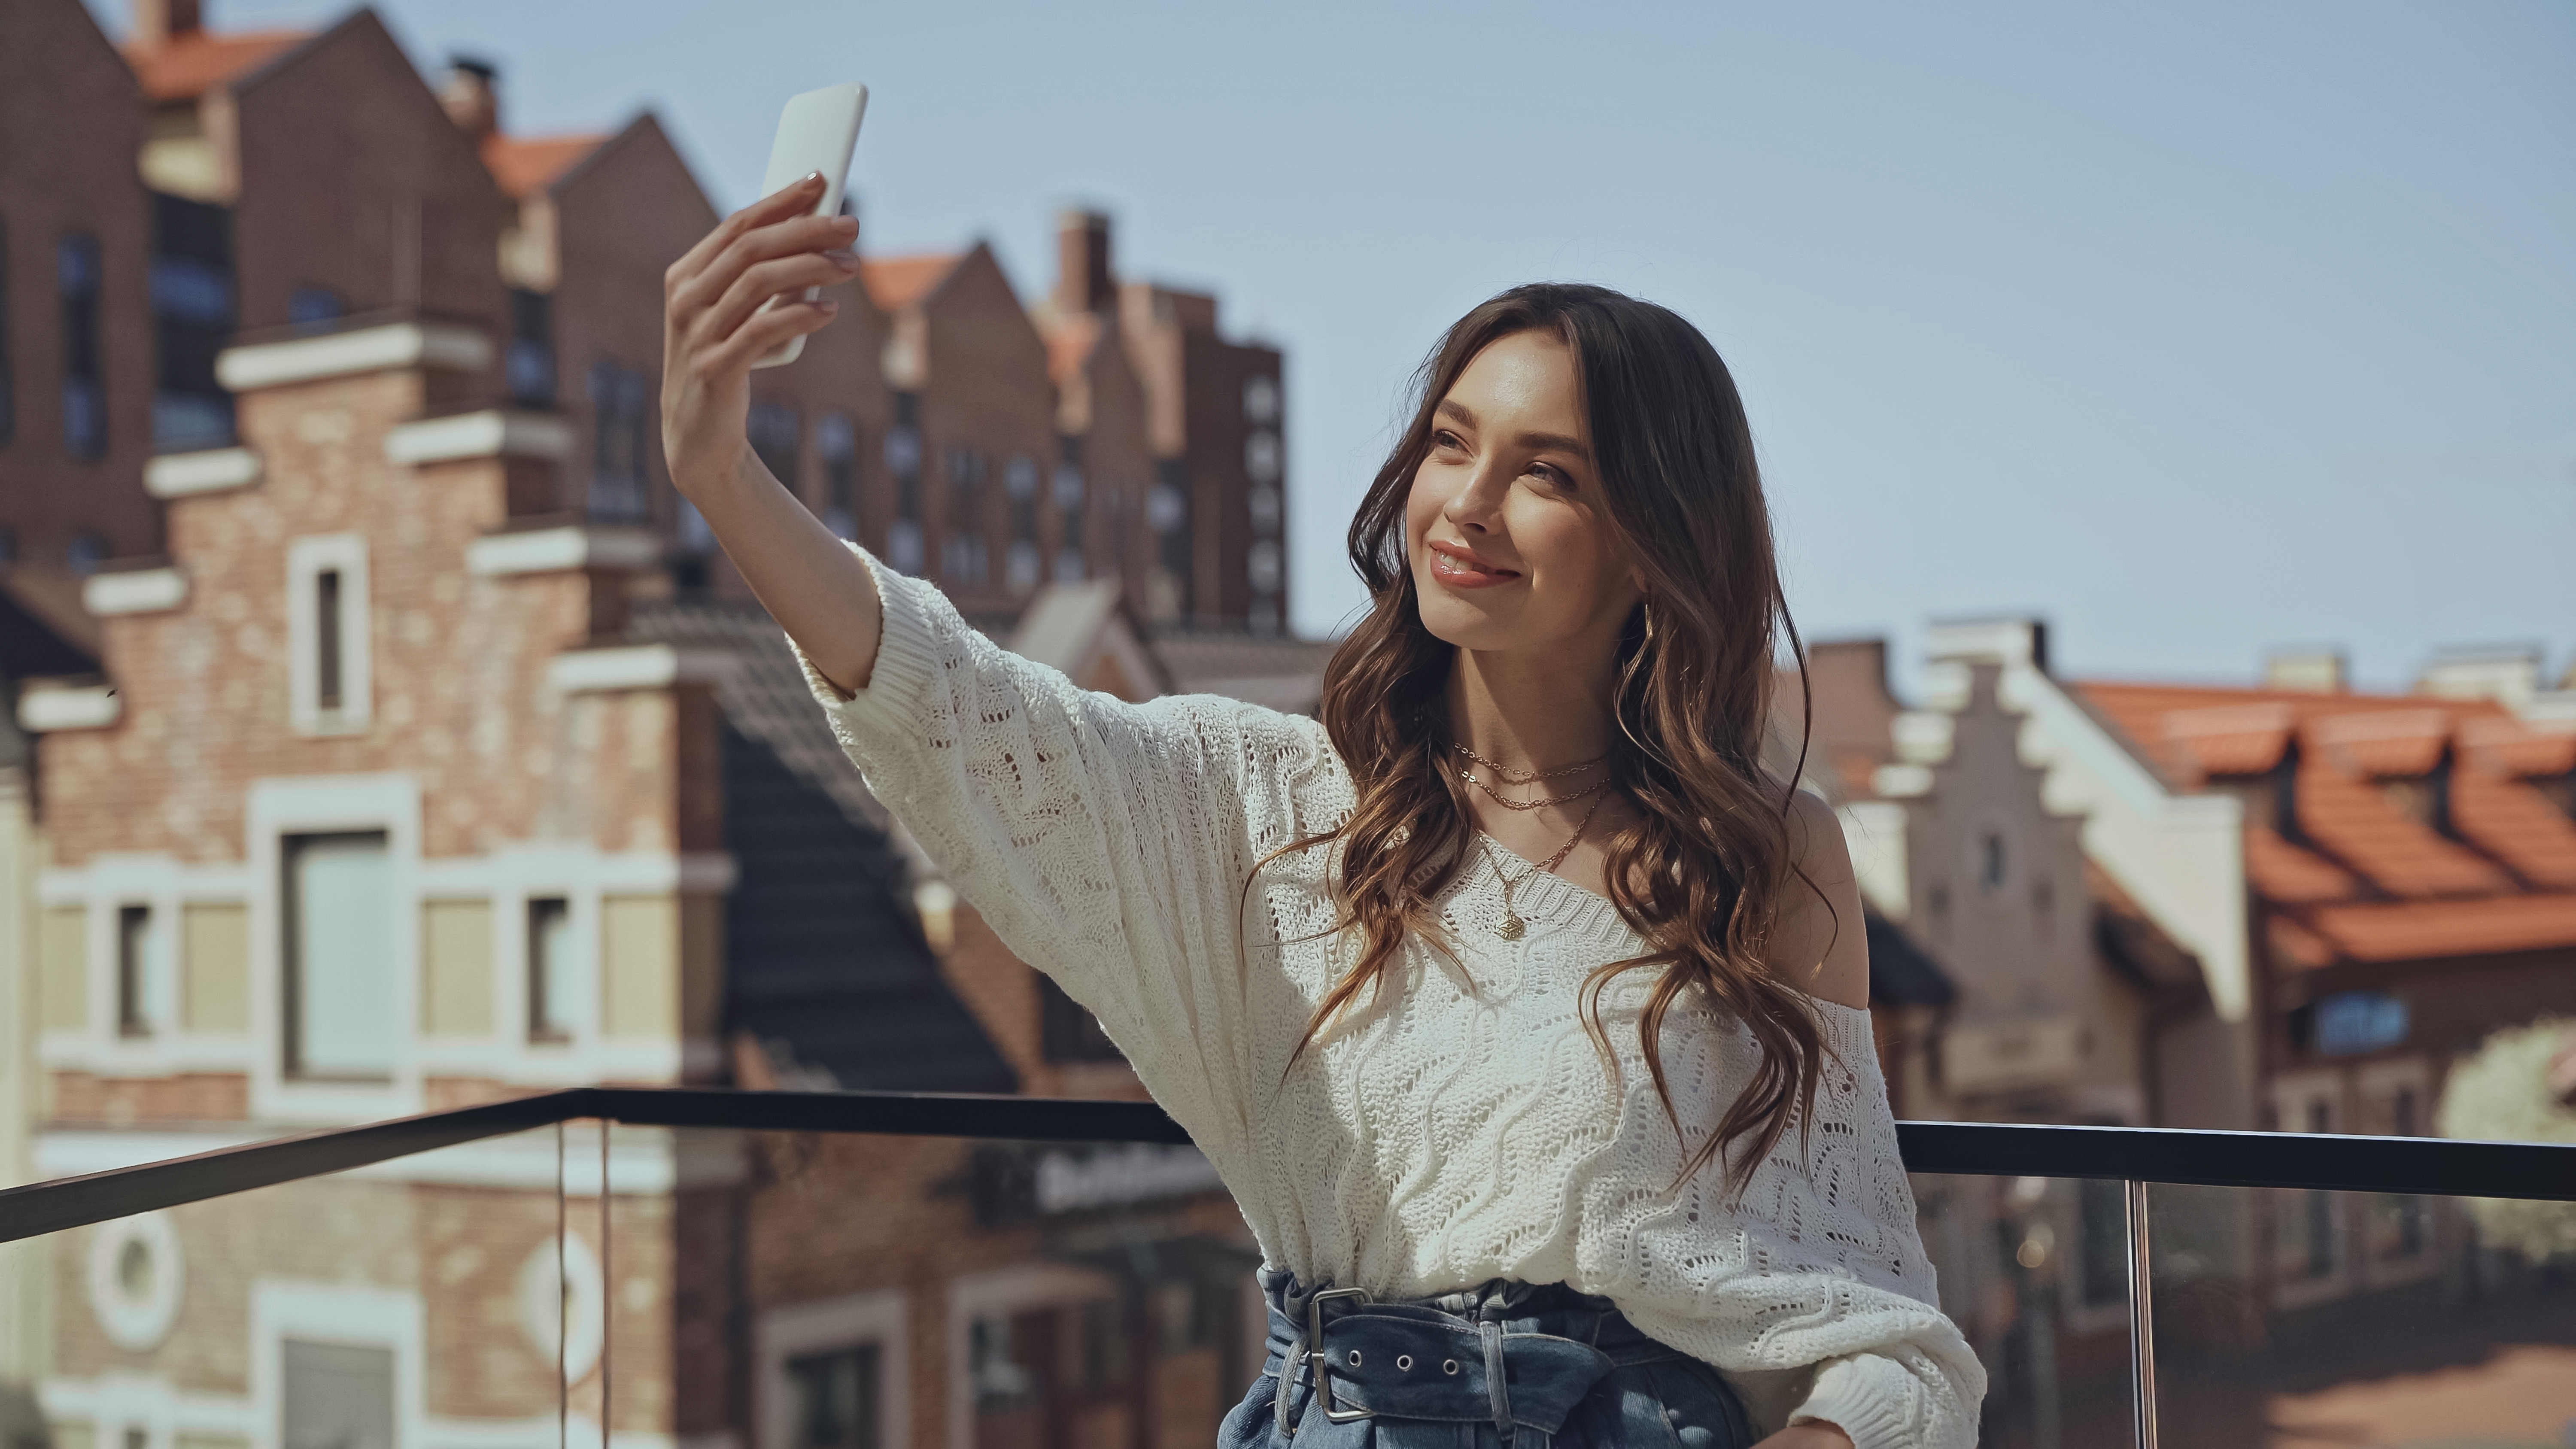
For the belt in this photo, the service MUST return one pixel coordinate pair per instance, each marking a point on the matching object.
(1362, 1360)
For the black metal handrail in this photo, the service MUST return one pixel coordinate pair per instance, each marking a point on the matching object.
(2329, 1163)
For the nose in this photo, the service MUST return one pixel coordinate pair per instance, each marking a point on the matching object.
(1477, 502)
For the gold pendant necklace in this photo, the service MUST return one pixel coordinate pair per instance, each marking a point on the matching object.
(1513, 928)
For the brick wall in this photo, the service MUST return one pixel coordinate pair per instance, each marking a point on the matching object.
(72, 119)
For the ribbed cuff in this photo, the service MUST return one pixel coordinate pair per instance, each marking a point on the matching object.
(907, 654)
(1867, 1397)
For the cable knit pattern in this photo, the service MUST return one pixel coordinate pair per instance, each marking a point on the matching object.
(1463, 1126)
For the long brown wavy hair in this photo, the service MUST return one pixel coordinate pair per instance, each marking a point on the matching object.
(1702, 871)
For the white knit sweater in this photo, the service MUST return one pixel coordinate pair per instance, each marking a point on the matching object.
(1465, 1128)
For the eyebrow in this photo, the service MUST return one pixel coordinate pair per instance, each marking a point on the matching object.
(1557, 441)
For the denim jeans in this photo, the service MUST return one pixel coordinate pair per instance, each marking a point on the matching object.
(1508, 1364)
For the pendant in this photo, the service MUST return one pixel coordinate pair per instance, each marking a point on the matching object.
(1511, 929)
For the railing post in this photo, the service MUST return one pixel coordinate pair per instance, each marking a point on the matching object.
(2142, 1317)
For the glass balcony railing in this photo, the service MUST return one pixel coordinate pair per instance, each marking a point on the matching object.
(674, 1269)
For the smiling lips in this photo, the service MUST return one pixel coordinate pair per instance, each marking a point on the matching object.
(1458, 566)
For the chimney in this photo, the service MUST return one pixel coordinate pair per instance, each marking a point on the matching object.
(2309, 671)
(471, 100)
(1082, 278)
(158, 22)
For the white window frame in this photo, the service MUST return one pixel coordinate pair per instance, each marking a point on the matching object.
(2375, 1089)
(2292, 1096)
(1003, 1292)
(335, 1313)
(307, 559)
(322, 804)
(879, 1319)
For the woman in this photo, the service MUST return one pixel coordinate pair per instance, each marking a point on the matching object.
(1524, 1015)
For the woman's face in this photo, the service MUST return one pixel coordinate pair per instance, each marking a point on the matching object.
(1502, 525)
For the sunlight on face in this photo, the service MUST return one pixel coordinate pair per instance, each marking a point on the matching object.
(1499, 525)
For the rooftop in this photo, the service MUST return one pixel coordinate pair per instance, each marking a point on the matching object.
(187, 66)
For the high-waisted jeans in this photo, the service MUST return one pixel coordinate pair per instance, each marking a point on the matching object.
(1531, 1367)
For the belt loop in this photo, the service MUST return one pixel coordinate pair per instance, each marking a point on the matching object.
(1286, 1424)
(1489, 1327)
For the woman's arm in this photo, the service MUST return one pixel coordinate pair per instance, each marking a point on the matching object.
(713, 330)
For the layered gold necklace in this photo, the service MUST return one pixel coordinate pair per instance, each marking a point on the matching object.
(1513, 927)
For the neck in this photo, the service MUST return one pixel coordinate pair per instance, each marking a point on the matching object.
(1530, 714)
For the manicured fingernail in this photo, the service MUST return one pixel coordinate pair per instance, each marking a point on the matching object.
(810, 178)
(841, 258)
(846, 225)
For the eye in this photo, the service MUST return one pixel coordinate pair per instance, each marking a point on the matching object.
(1552, 476)
(1446, 440)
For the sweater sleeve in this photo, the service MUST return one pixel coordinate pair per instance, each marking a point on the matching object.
(1818, 1300)
(1911, 1379)
(1106, 843)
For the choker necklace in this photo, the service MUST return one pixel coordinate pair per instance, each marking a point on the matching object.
(1513, 928)
(1509, 776)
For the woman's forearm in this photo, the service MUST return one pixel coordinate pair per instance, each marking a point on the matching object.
(817, 590)
(731, 300)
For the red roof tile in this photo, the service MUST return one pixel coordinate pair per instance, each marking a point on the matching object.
(527, 165)
(2477, 862)
(895, 283)
(2280, 871)
(189, 65)
(2409, 930)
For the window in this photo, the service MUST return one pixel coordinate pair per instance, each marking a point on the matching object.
(529, 366)
(617, 449)
(838, 441)
(1070, 566)
(335, 1396)
(964, 559)
(1167, 513)
(837, 1404)
(146, 989)
(328, 672)
(193, 316)
(86, 551)
(314, 309)
(551, 992)
(329, 679)
(77, 279)
(339, 940)
(1020, 487)
(8, 544)
(778, 437)
(904, 547)
(1261, 399)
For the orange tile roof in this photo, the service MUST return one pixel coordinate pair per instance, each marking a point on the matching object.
(189, 65)
(2384, 868)
(2280, 871)
(2412, 930)
(526, 165)
(895, 283)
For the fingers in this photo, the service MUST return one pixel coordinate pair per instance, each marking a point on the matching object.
(771, 279)
(722, 278)
(765, 331)
(797, 196)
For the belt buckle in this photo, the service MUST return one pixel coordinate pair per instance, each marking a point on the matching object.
(1315, 1364)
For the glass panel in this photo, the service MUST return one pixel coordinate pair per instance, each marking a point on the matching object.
(2034, 1270)
(406, 1305)
(340, 912)
(926, 1291)
(2359, 1318)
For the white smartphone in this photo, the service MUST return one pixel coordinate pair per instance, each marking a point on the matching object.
(816, 132)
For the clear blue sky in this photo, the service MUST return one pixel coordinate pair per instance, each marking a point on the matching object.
(2198, 328)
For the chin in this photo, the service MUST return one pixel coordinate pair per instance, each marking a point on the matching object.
(1454, 621)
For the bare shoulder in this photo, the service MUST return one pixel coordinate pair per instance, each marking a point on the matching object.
(1823, 947)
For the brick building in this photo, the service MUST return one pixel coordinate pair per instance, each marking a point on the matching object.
(431, 755)
(397, 797)
(77, 351)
